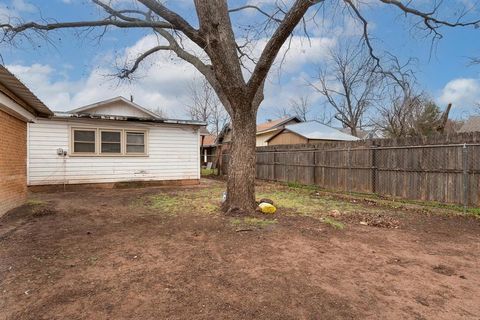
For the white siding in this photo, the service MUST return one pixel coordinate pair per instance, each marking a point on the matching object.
(173, 153)
(119, 108)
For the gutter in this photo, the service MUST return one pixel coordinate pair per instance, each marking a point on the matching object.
(66, 115)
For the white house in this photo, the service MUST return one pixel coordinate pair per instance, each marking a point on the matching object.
(112, 141)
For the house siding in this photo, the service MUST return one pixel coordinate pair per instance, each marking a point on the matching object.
(13, 161)
(172, 154)
(287, 138)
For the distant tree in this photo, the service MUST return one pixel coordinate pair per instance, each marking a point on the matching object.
(205, 106)
(425, 119)
(282, 112)
(160, 111)
(414, 116)
(301, 108)
(348, 82)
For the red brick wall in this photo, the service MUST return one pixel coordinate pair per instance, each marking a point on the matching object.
(13, 162)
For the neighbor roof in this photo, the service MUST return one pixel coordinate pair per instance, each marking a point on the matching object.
(21, 92)
(272, 124)
(471, 125)
(209, 140)
(314, 130)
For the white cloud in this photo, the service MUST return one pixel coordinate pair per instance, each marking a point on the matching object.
(463, 93)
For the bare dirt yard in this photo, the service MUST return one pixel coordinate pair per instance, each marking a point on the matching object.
(168, 253)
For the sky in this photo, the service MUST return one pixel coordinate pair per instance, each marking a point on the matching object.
(76, 68)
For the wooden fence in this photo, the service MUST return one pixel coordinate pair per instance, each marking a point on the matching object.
(445, 172)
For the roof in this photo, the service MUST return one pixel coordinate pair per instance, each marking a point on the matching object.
(116, 99)
(83, 113)
(209, 140)
(270, 125)
(273, 124)
(30, 100)
(127, 118)
(471, 125)
(314, 130)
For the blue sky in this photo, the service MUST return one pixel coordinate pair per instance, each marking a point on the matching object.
(74, 71)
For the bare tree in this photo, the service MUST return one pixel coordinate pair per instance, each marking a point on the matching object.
(401, 99)
(160, 111)
(349, 84)
(301, 108)
(282, 112)
(406, 110)
(222, 58)
(206, 106)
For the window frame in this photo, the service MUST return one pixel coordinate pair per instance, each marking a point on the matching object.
(98, 141)
(144, 132)
(109, 154)
(73, 141)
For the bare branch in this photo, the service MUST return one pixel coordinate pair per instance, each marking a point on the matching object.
(430, 22)
(10, 31)
(270, 52)
(365, 35)
(270, 16)
(126, 72)
(175, 20)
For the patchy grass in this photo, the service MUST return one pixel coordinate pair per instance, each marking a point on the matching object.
(202, 201)
(304, 201)
(208, 172)
(386, 201)
(35, 202)
(333, 223)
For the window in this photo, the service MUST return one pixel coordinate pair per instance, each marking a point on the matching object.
(111, 142)
(135, 142)
(83, 141)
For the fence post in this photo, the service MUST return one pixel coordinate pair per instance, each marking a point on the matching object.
(274, 164)
(374, 168)
(465, 177)
(314, 166)
(349, 180)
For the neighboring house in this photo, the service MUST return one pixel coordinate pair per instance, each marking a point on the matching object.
(471, 125)
(18, 105)
(308, 132)
(113, 141)
(208, 149)
(264, 130)
(268, 129)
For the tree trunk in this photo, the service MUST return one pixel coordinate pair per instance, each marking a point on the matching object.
(241, 167)
(353, 130)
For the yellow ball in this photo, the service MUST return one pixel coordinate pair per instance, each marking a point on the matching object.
(267, 208)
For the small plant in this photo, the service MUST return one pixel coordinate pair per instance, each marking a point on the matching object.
(208, 172)
(333, 223)
(35, 202)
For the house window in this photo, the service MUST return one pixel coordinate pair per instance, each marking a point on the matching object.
(135, 142)
(111, 142)
(83, 141)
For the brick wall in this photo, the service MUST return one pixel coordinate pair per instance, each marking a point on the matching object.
(13, 162)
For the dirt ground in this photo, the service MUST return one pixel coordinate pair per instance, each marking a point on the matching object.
(163, 253)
